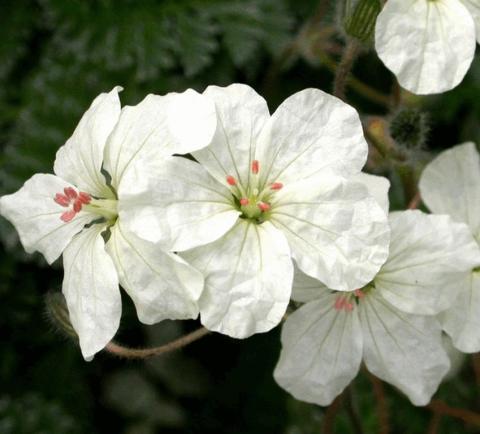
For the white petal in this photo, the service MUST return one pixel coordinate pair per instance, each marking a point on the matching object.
(91, 289)
(36, 216)
(181, 207)
(428, 45)
(161, 284)
(321, 351)
(403, 349)
(157, 127)
(474, 7)
(248, 279)
(79, 161)
(311, 131)
(429, 255)
(306, 288)
(337, 232)
(462, 320)
(241, 115)
(377, 187)
(450, 184)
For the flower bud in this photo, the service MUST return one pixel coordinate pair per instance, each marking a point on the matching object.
(360, 18)
(57, 311)
(409, 128)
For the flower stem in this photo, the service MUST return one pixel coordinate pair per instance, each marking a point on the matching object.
(146, 353)
(467, 416)
(382, 407)
(349, 56)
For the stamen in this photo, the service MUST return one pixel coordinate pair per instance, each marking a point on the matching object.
(70, 193)
(67, 216)
(348, 307)
(84, 198)
(340, 302)
(255, 167)
(264, 206)
(77, 205)
(62, 200)
(231, 180)
(244, 201)
(276, 186)
(359, 293)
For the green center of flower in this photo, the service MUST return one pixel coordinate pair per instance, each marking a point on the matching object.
(106, 208)
(252, 202)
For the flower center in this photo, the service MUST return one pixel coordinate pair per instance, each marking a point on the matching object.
(253, 203)
(347, 301)
(76, 201)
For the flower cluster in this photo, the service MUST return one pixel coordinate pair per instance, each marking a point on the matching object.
(207, 204)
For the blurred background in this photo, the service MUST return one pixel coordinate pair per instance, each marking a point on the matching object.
(55, 57)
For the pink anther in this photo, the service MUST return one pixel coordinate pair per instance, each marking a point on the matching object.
(231, 180)
(264, 206)
(340, 302)
(276, 186)
(359, 293)
(244, 201)
(67, 216)
(77, 205)
(70, 192)
(255, 166)
(62, 200)
(348, 307)
(84, 198)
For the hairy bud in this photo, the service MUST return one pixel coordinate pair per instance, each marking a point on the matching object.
(360, 18)
(57, 311)
(410, 128)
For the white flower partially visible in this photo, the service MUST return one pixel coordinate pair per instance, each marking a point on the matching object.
(266, 190)
(450, 184)
(72, 211)
(383, 324)
(428, 44)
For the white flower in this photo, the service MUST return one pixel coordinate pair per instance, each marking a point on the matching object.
(384, 324)
(266, 190)
(428, 44)
(450, 184)
(71, 211)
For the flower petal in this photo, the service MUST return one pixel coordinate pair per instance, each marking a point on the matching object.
(429, 255)
(377, 187)
(321, 351)
(337, 232)
(474, 7)
(91, 289)
(37, 217)
(403, 349)
(428, 45)
(306, 288)
(161, 284)
(462, 320)
(157, 127)
(79, 161)
(241, 115)
(181, 207)
(311, 131)
(450, 184)
(248, 279)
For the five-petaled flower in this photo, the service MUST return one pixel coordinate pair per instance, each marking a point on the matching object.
(266, 190)
(71, 212)
(450, 184)
(428, 44)
(390, 323)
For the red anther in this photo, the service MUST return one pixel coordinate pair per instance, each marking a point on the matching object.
(255, 167)
(77, 205)
(340, 302)
(276, 186)
(231, 180)
(244, 201)
(264, 206)
(348, 307)
(70, 192)
(84, 198)
(67, 216)
(359, 293)
(62, 200)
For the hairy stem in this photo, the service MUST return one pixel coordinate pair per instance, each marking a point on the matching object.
(467, 416)
(382, 407)
(145, 353)
(349, 56)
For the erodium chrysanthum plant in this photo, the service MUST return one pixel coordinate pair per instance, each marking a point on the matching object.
(89, 200)
(389, 323)
(458, 196)
(428, 44)
(268, 189)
